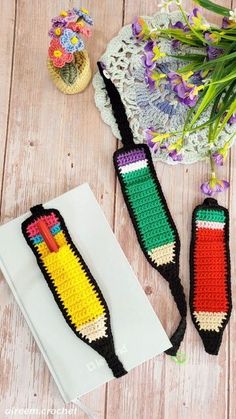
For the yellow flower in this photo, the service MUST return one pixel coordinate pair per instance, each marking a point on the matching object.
(157, 77)
(196, 89)
(74, 40)
(187, 76)
(57, 53)
(85, 11)
(157, 53)
(198, 21)
(177, 145)
(158, 138)
(57, 31)
(63, 13)
(215, 37)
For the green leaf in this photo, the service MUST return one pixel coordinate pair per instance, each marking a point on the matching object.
(68, 73)
(212, 63)
(189, 57)
(230, 112)
(216, 8)
(231, 76)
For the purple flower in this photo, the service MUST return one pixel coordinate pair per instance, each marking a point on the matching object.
(175, 155)
(63, 18)
(232, 120)
(56, 31)
(155, 140)
(214, 185)
(197, 20)
(227, 24)
(148, 56)
(148, 79)
(218, 158)
(187, 93)
(210, 37)
(180, 25)
(194, 13)
(138, 27)
(213, 52)
(58, 22)
(83, 14)
(175, 43)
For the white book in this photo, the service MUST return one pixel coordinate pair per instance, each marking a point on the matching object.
(138, 334)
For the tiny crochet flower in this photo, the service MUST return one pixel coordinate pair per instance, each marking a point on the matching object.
(56, 31)
(74, 26)
(86, 32)
(84, 14)
(58, 55)
(214, 185)
(63, 18)
(71, 41)
(58, 21)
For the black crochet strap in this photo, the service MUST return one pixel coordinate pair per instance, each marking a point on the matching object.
(118, 109)
(210, 283)
(151, 218)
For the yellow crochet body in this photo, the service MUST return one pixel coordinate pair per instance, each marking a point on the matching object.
(74, 289)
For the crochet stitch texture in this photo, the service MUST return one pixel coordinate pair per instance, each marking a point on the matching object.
(73, 286)
(210, 291)
(152, 221)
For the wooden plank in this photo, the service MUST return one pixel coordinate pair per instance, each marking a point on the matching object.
(161, 388)
(55, 142)
(6, 53)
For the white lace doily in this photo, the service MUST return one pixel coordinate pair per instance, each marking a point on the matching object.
(159, 109)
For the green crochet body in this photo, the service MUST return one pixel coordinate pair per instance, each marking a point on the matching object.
(148, 208)
(210, 215)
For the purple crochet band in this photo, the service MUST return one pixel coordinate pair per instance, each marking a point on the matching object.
(131, 157)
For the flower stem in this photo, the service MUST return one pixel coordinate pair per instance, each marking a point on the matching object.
(213, 167)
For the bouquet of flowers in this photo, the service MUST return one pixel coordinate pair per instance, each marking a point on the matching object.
(206, 81)
(67, 58)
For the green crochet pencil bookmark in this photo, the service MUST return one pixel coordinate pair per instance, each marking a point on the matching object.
(151, 218)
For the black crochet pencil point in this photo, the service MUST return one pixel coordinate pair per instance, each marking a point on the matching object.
(211, 341)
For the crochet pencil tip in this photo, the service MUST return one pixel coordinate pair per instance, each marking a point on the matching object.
(211, 341)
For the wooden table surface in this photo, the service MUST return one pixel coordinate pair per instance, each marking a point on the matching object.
(50, 143)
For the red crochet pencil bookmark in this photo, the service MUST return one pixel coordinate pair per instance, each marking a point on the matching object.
(210, 287)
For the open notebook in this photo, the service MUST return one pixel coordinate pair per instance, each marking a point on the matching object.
(138, 334)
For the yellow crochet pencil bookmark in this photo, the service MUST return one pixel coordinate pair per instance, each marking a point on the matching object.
(73, 286)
